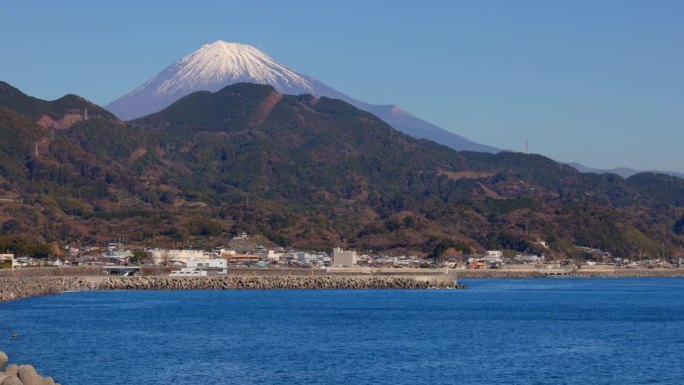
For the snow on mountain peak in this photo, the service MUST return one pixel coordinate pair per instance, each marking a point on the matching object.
(211, 68)
(219, 64)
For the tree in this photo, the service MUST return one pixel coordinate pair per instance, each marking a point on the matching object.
(56, 250)
(138, 256)
(41, 251)
(679, 226)
(440, 248)
(205, 227)
(11, 227)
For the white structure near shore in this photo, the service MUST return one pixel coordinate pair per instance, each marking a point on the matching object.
(344, 258)
(172, 256)
(9, 257)
(191, 261)
(218, 265)
(270, 256)
(202, 267)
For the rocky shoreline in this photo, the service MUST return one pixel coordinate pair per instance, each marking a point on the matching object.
(540, 273)
(12, 288)
(21, 374)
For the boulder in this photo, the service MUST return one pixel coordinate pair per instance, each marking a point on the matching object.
(28, 375)
(11, 380)
(3, 359)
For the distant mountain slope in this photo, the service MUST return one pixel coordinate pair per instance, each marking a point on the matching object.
(313, 173)
(36, 108)
(220, 64)
(622, 171)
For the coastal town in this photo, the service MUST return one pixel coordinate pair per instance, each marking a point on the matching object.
(115, 258)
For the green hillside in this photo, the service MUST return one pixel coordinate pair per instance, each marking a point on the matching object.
(313, 173)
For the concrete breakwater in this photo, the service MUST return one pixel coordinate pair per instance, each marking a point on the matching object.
(627, 273)
(21, 375)
(578, 273)
(12, 288)
(497, 273)
(275, 282)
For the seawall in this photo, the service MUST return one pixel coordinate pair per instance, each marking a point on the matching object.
(580, 273)
(12, 288)
(276, 282)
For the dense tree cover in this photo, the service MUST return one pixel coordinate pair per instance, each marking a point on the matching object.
(679, 226)
(308, 172)
(25, 247)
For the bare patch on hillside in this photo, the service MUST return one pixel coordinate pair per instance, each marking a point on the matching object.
(266, 107)
(137, 154)
(46, 121)
(458, 175)
(490, 193)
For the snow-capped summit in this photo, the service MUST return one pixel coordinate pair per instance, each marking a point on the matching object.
(210, 68)
(220, 64)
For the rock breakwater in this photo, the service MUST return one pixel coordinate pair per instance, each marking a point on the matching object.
(628, 273)
(579, 273)
(496, 273)
(12, 288)
(266, 283)
(21, 374)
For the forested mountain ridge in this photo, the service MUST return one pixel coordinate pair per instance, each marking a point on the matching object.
(309, 172)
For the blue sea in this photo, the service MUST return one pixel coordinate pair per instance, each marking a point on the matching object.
(521, 331)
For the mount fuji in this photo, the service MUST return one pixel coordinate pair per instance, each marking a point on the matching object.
(219, 64)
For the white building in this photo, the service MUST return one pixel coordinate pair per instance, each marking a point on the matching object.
(494, 256)
(121, 255)
(9, 257)
(494, 253)
(224, 252)
(344, 258)
(271, 256)
(528, 259)
(171, 256)
(219, 265)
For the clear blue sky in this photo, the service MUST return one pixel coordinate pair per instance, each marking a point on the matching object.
(599, 82)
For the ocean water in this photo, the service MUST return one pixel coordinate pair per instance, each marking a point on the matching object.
(522, 331)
